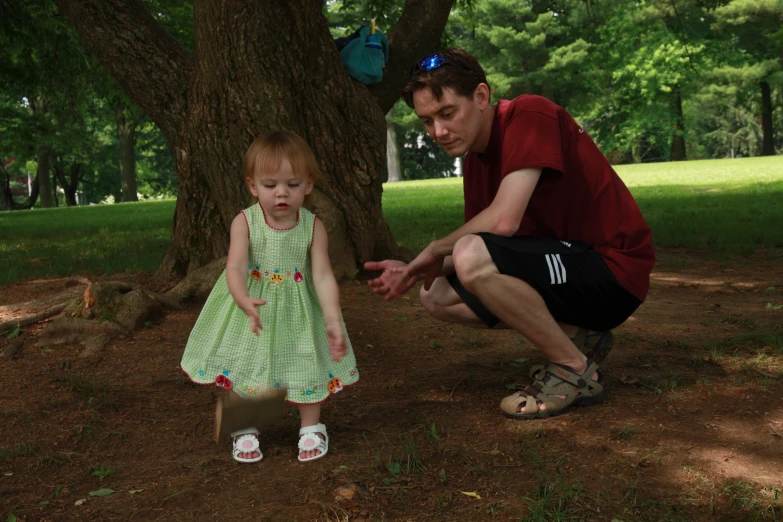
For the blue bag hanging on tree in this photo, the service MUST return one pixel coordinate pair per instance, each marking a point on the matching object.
(365, 54)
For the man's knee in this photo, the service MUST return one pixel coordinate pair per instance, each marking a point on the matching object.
(472, 260)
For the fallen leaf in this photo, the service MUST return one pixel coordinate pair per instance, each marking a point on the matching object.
(103, 492)
(80, 502)
(134, 491)
(471, 494)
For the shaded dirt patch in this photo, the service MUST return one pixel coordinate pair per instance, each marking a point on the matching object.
(688, 431)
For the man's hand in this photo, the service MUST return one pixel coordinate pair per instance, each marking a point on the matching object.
(337, 345)
(250, 307)
(390, 283)
(427, 265)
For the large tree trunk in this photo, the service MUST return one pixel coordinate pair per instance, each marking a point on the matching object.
(392, 153)
(678, 138)
(261, 66)
(768, 144)
(126, 135)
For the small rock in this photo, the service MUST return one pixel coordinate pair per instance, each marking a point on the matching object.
(346, 492)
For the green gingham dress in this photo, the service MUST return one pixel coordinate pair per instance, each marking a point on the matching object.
(292, 350)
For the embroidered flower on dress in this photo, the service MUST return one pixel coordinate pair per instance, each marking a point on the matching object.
(352, 373)
(255, 274)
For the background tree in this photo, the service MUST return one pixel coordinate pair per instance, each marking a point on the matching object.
(259, 66)
(756, 27)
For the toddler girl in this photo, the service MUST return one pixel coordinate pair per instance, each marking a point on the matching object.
(279, 279)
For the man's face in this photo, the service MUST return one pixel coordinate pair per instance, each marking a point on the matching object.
(454, 121)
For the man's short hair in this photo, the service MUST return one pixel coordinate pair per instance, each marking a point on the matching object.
(460, 71)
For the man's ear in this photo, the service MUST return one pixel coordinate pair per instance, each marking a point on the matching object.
(481, 95)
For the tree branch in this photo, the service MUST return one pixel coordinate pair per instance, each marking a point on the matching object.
(147, 62)
(416, 33)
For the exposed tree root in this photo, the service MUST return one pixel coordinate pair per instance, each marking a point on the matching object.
(33, 318)
(199, 282)
(91, 313)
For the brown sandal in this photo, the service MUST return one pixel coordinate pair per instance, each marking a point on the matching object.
(558, 380)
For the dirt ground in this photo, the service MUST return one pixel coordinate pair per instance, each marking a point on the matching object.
(692, 428)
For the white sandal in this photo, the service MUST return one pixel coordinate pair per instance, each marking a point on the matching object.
(309, 441)
(246, 441)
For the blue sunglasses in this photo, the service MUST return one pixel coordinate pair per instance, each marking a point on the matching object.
(430, 63)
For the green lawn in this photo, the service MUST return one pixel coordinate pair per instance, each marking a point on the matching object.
(731, 206)
(128, 237)
(726, 206)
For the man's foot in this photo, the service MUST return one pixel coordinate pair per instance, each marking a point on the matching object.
(313, 442)
(559, 389)
(246, 447)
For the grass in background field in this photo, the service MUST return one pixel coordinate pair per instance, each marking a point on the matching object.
(727, 206)
(733, 206)
(99, 239)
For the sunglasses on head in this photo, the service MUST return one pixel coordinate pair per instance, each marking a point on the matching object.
(430, 63)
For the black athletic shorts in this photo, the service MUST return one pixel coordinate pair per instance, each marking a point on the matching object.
(574, 281)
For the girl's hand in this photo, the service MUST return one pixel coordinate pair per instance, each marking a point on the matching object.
(337, 345)
(250, 306)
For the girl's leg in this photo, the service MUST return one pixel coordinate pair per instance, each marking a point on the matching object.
(311, 415)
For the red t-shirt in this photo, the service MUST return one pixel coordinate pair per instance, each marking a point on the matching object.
(579, 196)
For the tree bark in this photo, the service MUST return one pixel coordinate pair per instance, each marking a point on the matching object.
(44, 178)
(678, 138)
(69, 182)
(7, 195)
(126, 135)
(261, 66)
(768, 143)
(392, 153)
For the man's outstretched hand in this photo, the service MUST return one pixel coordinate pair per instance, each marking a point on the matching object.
(391, 283)
(427, 266)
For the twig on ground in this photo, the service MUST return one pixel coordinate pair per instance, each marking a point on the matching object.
(775, 432)
(451, 395)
